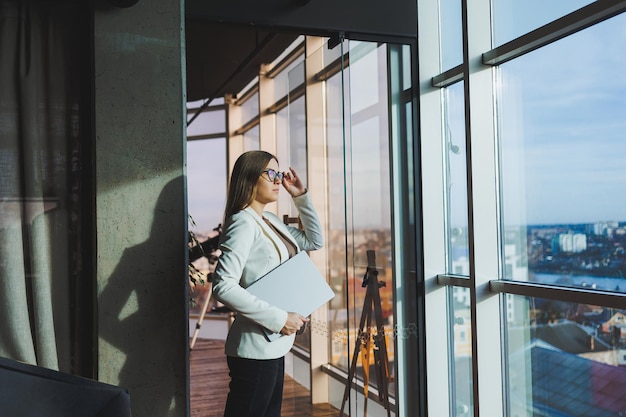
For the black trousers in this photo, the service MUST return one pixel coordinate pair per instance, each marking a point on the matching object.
(256, 387)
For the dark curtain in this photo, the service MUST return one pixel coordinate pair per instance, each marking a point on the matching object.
(44, 287)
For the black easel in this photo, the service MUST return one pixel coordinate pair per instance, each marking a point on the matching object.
(366, 337)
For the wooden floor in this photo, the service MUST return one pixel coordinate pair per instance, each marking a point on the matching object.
(209, 386)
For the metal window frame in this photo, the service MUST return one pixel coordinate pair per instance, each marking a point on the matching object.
(549, 33)
(540, 290)
(569, 24)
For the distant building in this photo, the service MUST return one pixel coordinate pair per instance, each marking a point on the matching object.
(605, 228)
(616, 325)
(573, 242)
(461, 297)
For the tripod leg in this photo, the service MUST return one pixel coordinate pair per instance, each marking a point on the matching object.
(382, 373)
(367, 348)
(381, 358)
(380, 355)
(205, 306)
(365, 362)
(365, 316)
(355, 357)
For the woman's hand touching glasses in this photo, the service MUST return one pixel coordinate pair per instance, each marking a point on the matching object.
(292, 183)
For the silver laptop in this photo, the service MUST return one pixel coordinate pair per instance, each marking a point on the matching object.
(296, 285)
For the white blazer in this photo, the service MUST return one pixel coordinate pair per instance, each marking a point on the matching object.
(250, 249)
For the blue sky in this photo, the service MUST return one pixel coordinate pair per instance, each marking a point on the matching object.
(562, 129)
(564, 121)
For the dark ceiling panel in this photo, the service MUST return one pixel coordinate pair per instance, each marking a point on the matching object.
(227, 40)
(223, 59)
(392, 18)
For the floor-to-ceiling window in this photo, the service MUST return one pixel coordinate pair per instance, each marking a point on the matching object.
(561, 139)
(330, 113)
(522, 113)
(360, 219)
(368, 115)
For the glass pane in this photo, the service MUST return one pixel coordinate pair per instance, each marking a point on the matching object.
(292, 145)
(450, 24)
(289, 78)
(251, 140)
(456, 180)
(408, 108)
(297, 142)
(563, 159)
(512, 18)
(406, 67)
(564, 359)
(369, 207)
(206, 197)
(461, 338)
(297, 128)
(337, 228)
(206, 183)
(282, 153)
(359, 206)
(208, 122)
(250, 108)
(331, 52)
(365, 77)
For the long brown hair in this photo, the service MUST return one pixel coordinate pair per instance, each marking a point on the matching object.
(243, 180)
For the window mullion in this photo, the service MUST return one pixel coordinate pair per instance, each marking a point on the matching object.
(483, 228)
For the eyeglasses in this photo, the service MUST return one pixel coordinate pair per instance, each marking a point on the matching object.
(272, 175)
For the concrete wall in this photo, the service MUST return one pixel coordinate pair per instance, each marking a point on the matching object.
(141, 204)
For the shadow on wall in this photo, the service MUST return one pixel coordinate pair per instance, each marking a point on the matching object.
(143, 312)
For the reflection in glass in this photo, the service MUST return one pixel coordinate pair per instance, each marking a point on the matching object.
(512, 19)
(562, 123)
(461, 345)
(456, 180)
(564, 359)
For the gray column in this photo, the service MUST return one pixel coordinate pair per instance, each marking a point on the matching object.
(141, 204)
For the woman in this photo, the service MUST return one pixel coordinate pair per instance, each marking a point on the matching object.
(253, 243)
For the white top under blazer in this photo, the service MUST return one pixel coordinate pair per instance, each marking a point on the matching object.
(250, 249)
